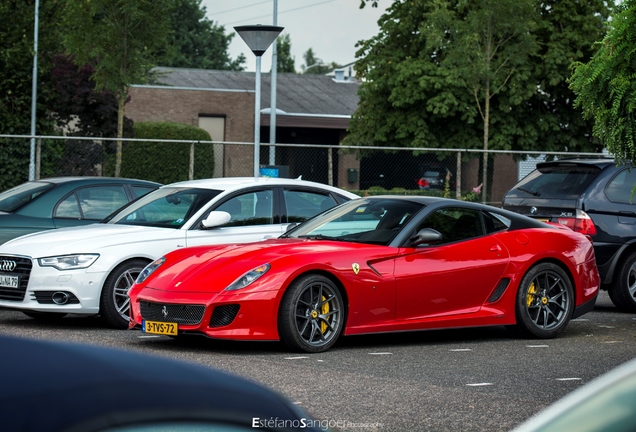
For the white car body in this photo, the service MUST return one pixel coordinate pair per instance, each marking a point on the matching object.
(117, 244)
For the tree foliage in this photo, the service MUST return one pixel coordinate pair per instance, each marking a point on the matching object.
(16, 73)
(427, 78)
(606, 85)
(197, 42)
(121, 39)
(284, 59)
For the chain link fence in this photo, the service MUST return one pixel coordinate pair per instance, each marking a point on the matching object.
(474, 175)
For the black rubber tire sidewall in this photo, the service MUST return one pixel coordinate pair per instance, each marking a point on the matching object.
(286, 315)
(107, 308)
(619, 290)
(525, 326)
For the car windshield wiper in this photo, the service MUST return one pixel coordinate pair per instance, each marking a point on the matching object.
(529, 191)
(319, 237)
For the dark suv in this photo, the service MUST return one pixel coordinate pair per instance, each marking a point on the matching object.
(594, 197)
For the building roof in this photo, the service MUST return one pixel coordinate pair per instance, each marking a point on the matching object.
(308, 99)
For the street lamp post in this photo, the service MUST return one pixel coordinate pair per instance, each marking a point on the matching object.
(258, 38)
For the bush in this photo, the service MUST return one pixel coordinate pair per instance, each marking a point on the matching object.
(167, 162)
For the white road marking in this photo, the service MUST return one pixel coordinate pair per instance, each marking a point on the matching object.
(537, 346)
(148, 337)
(614, 341)
(381, 353)
(460, 349)
(579, 319)
(569, 379)
(296, 358)
(606, 326)
(479, 384)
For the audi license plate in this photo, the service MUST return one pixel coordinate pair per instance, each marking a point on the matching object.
(162, 328)
(9, 281)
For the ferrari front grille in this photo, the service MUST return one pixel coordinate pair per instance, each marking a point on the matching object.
(224, 315)
(10, 268)
(179, 313)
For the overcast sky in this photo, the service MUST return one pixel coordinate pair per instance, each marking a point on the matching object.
(330, 28)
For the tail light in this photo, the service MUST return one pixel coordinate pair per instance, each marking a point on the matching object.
(581, 223)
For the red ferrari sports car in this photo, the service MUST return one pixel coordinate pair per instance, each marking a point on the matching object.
(375, 264)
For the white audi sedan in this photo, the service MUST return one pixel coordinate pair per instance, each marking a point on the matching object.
(88, 270)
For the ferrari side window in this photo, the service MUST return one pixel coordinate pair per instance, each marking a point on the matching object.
(495, 222)
(455, 224)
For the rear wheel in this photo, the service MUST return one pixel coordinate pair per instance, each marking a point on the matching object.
(623, 291)
(311, 315)
(114, 305)
(545, 301)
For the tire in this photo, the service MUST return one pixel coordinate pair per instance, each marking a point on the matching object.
(545, 302)
(623, 291)
(311, 315)
(45, 316)
(114, 303)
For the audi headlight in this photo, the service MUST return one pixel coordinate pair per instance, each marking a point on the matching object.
(69, 262)
(150, 269)
(248, 278)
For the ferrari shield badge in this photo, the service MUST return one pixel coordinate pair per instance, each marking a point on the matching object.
(355, 267)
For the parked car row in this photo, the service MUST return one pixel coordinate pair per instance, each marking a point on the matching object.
(305, 263)
(89, 269)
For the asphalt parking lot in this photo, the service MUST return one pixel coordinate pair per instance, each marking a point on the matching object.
(455, 380)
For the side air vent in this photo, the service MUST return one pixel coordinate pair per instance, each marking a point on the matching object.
(498, 292)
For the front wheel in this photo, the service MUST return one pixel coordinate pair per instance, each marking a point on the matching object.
(623, 291)
(114, 305)
(311, 315)
(545, 301)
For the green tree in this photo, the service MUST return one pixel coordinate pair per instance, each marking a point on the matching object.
(485, 47)
(548, 121)
(427, 77)
(606, 88)
(284, 59)
(122, 40)
(197, 42)
(16, 73)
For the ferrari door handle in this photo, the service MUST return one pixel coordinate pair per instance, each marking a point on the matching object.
(495, 248)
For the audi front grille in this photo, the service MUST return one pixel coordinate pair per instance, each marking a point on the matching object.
(15, 267)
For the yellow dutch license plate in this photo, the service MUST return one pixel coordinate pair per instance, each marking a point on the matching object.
(162, 328)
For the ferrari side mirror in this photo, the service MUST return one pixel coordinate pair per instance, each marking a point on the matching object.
(426, 236)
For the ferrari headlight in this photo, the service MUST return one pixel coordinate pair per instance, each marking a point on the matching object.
(69, 262)
(150, 269)
(248, 278)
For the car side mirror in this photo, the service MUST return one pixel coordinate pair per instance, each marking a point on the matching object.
(216, 218)
(291, 226)
(426, 236)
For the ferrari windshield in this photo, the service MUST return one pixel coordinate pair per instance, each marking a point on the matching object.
(364, 220)
(168, 207)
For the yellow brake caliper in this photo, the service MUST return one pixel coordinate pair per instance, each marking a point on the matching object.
(325, 311)
(531, 294)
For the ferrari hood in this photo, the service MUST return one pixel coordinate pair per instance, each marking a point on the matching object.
(87, 238)
(213, 268)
